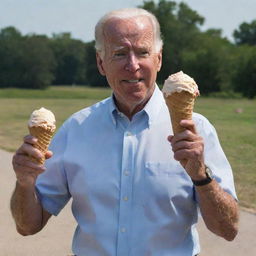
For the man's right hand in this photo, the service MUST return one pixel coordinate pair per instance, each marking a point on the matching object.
(25, 168)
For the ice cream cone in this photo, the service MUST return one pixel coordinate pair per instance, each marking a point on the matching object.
(44, 137)
(42, 126)
(180, 92)
(180, 105)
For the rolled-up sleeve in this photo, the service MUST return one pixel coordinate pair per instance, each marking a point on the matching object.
(214, 155)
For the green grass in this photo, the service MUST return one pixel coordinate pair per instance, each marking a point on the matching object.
(237, 131)
(16, 106)
(56, 92)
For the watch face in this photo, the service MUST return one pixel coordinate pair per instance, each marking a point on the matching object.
(208, 172)
(205, 181)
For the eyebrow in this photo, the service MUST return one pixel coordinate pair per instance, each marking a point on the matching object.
(118, 48)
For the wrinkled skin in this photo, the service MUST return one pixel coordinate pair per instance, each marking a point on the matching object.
(130, 62)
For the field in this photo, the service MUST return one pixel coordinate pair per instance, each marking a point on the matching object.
(234, 120)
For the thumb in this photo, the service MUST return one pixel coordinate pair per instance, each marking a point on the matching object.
(169, 138)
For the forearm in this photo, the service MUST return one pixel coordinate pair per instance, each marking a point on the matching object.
(219, 210)
(26, 210)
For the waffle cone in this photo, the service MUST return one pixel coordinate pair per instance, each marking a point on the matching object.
(44, 136)
(180, 105)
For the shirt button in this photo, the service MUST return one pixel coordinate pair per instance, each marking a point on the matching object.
(125, 198)
(123, 230)
(126, 173)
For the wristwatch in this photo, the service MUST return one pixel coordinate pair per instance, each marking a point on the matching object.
(207, 180)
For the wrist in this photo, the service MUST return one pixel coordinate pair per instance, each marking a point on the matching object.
(204, 178)
(26, 183)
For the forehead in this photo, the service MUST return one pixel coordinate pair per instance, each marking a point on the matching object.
(138, 30)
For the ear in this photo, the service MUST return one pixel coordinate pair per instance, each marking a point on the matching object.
(100, 64)
(159, 59)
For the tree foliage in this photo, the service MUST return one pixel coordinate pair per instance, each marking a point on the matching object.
(246, 33)
(244, 78)
(70, 56)
(208, 62)
(179, 25)
(37, 61)
(37, 64)
(26, 61)
(94, 78)
(11, 57)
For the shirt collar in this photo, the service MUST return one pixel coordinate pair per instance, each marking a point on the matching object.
(154, 105)
(113, 109)
(152, 108)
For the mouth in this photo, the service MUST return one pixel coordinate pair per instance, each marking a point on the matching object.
(133, 81)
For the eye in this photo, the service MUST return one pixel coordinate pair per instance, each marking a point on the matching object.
(144, 53)
(119, 54)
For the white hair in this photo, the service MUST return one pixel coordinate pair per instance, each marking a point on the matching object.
(126, 13)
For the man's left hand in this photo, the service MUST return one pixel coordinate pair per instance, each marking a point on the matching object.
(188, 148)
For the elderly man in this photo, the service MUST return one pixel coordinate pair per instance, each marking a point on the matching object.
(131, 196)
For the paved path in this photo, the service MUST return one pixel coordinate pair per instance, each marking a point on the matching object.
(55, 239)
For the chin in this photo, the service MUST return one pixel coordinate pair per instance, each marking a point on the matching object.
(139, 99)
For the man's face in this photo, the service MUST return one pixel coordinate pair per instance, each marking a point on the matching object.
(130, 62)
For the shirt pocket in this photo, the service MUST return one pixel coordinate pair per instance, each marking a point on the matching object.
(167, 191)
(164, 169)
(165, 180)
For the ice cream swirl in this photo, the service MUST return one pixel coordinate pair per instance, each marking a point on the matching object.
(179, 82)
(42, 117)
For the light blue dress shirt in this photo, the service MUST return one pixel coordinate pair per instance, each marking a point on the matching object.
(130, 197)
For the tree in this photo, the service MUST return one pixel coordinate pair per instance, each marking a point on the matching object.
(209, 62)
(246, 33)
(70, 57)
(245, 74)
(179, 26)
(10, 56)
(26, 61)
(37, 63)
(189, 18)
(94, 77)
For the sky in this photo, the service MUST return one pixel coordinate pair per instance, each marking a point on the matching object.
(80, 16)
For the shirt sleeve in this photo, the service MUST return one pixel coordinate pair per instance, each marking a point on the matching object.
(51, 185)
(214, 156)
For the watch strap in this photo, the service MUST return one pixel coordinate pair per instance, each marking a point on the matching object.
(205, 181)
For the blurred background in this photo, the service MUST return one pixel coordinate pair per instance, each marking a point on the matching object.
(45, 42)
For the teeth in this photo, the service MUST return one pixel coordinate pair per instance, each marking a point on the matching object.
(133, 81)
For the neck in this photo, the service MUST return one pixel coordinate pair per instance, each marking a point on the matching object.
(130, 111)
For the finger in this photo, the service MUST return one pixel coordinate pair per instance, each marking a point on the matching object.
(185, 135)
(187, 154)
(26, 163)
(48, 154)
(29, 150)
(189, 124)
(25, 170)
(184, 145)
(29, 139)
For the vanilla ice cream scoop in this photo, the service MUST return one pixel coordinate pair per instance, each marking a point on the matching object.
(179, 82)
(42, 117)
(42, 126)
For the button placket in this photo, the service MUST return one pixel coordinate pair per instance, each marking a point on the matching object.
(125, 193)
(126, 173)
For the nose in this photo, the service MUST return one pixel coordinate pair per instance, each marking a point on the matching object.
(132, 63)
